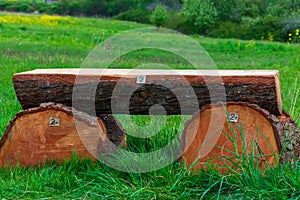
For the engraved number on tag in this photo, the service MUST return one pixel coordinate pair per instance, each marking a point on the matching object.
(141, 79)
(54, 121)
(234, 117)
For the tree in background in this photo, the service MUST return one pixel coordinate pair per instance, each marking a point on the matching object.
(254, 8)
(295, 5)
(202, 13)
(115, 7)
(159, 16)
(228, 10)
(92, 7)
(65, 6)
(278, 8)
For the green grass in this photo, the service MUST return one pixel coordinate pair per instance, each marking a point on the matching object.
(29, 46)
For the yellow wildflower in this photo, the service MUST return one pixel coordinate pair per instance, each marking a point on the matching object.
(270, 37)
(290, 34)
(46, 20)
(297, 31)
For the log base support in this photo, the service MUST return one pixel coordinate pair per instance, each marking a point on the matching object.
(219, 134)
(225, 135)
(49, 132)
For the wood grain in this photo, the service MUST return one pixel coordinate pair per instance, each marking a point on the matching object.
(208, 137)
(29, 139)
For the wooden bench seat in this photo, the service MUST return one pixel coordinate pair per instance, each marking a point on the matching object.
(173, 89)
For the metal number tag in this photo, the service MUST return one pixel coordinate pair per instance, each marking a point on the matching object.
(141, 79)
(234, 117)
(54, 121)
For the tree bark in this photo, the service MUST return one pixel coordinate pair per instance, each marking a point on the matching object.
(289, 137)
(116, 133)
(106, 91)
(220, 134)
(55, 132)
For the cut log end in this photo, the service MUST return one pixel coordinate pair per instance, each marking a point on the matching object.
(222, 135)
(55, 132)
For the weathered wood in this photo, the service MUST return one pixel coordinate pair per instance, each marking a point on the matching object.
(170, 88)
(116, 133)
(208, 137)
(30, 139)
(289, 137)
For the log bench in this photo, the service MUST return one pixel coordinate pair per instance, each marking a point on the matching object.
(221, 101)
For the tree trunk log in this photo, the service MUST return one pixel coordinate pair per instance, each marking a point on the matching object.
(106, 91)
(54, 132)
(219, 134)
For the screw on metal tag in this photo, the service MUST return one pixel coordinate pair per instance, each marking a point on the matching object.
(54, 121)
(141, 79)
(234, 117)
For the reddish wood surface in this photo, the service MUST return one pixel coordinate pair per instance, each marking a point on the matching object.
(206, 136)
(57, 85)
(29, 139)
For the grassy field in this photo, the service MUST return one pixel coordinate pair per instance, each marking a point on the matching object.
(28, 42)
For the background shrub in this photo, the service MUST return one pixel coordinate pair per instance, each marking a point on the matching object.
(92, 7)
(175, 21)
(159, 16)
(179, 23)
(136, 15)
(228, 10)
(117, 6)
(290, 24)
(41, 7)
(18, 6)
(54, 8)
(202, 13)
(268, 28)
(3, 5)
(227, 30)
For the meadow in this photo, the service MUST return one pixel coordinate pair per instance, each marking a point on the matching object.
(32, 41)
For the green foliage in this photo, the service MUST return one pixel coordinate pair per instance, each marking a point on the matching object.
(271, 20)
(260, 28)
(268, 28)
(3, 4)
(227, 30)
(19, 7)
(228, 10)
(281, 8)
(254, 8)
(66, 46)
(202, 13)
(159, 16)
(92, 7)
(175, 21)
(170, 5)
(291, 23)
(70, 7)
(117, 6)
(179, 23)
(42, 7)
(65, 6)
(136, 15)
